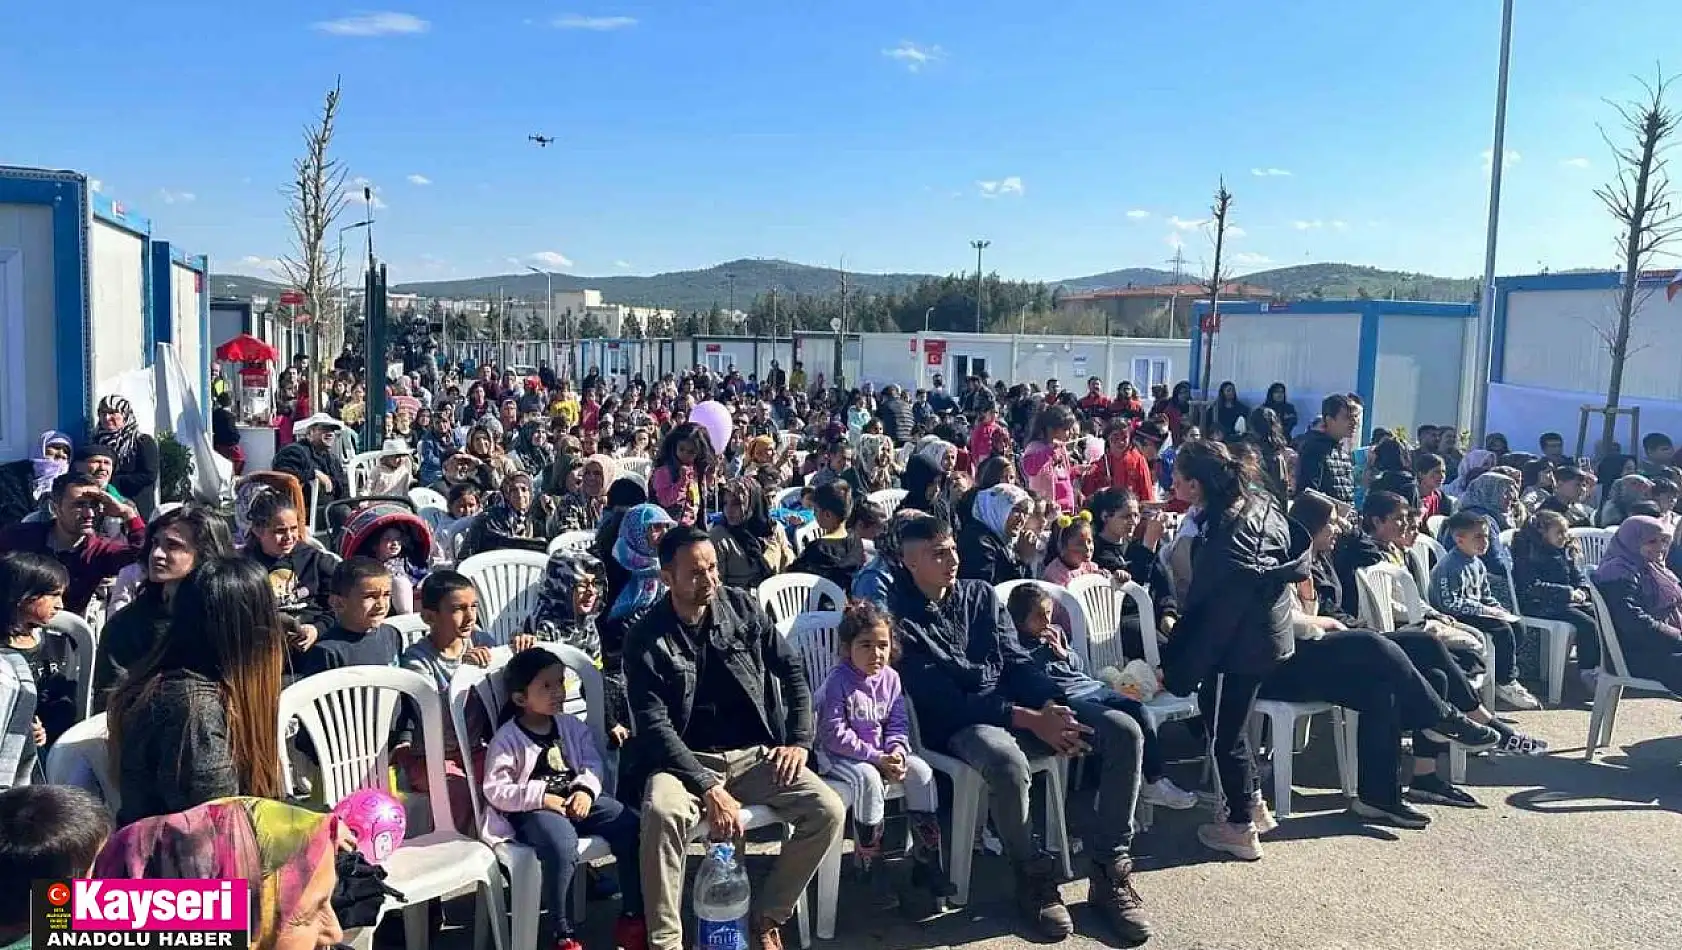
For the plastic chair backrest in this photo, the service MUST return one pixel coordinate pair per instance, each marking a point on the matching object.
(1064, 603)
(314, 491)
(804, 535)
(359, 472)
(1611, 651)
(640, 478)
(576, 542)
(787, 498)
(508, 583)
(349, 714)
(1592, 543)
(1101, 603)
(639, 466)
(787, 596)
(81, 757)
(1434, 524)
(1426, 553)
(1507, 536)
(425, 498)
(1373, 585)
(82, 639)
(888, 498)
(813, 638)
(410, 628)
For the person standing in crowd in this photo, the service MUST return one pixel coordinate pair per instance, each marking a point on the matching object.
(1122, 466)
(983, 699)
(1228, 415)
(685, 468)
(1046, 463)
(723, 718)
(1323, 464)
(1094, 405)
(76, 506)
(895, 413)
(1279, 401)
(224, 431)
(1126, 404)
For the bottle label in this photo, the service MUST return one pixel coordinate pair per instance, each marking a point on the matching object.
(721, 935)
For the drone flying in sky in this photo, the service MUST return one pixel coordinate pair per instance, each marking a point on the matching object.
(541, 140)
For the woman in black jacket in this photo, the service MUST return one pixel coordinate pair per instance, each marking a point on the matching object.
(1228, 414)
(135, 474)
(993, 546)
(1279, 401)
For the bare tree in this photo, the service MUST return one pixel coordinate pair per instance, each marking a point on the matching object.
(315, 199)
(1638, 197)
(1217, 277)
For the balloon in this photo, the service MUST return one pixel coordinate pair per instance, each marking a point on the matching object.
(376, 819)
(714, 417)
(1094, 448)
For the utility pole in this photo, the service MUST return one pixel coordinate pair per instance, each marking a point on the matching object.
(774, 326)
(979, 245)
(1179, 262)
(732, 279)
(841, 325)
(1486, 293)
(549, 280)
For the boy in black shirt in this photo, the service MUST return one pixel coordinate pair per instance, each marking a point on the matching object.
(836, 554)
(361, 599)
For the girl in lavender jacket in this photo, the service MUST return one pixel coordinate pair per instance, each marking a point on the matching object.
(544, 787)
(864, 743)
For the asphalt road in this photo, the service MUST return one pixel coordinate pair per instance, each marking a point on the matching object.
(1565, 855)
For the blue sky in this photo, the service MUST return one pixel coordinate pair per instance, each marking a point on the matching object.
(1077, 135)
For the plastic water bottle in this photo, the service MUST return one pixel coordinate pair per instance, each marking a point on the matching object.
(721, 900)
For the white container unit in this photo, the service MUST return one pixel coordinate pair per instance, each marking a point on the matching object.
(181, 314)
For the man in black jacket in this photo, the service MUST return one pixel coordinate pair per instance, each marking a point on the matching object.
(895, 414)
(1322, 464)
(981, 698)
(723, 719)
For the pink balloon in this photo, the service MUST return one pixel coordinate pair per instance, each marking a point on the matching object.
(376, 819)
(714, 417)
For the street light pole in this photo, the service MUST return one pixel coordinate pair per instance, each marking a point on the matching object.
(1486, 291)
(979, 245)
(549, 280)
(343, 302)
(923, 348)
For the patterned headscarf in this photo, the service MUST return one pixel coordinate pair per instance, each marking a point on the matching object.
(278, 848)
(994, 505)
(1660, 591)
(122, 439)
(937, 450)
(636, 555)
(501, 517)
(554, 620)
(1492, 494)
(870, 450)
(1472, 464)
(46, 469)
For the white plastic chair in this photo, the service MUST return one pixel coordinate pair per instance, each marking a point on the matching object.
(82, 639)
(410, 628)
(359, 472)
(1104, 646)
(1434, 524)
(525, 874)
(787, 596)
(638, 466)
(1066, 606)
(1426, 553)
(1611, 681)
(425, 498)
(81, 757)
(508, 583)
(1556, 644)
(969, 807)
(349, 714)
(578, 542)
(888, 498)
(787, 498)
(1285, 721)
(804, 535)
(1592, 543)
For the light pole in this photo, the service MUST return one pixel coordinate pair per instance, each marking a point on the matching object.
(979, 245)
(1486, 291)
(923, 347)
(316, 356)
(549, 280)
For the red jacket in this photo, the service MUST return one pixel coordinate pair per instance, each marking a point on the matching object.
(1096, 405)
(91, 563)
(1129, 470)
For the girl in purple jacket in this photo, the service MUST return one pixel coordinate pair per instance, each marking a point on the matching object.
(543, 782)
(864, 743)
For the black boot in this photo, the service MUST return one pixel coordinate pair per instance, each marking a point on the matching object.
(867, 854)
(930, 884)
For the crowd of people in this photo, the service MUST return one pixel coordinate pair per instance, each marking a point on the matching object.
(1246, 537)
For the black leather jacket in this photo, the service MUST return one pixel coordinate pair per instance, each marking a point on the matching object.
(1236, 617)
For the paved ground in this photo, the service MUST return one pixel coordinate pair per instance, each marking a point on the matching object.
(1566, 855)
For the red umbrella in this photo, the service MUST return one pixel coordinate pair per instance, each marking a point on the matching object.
(246, 348)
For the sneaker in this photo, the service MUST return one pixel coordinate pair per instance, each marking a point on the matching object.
(1262, 816)
(1039, 899)
(930, 886)
(1518, 743)
(1398, 814)
(763, 934)
(1111, 890)
(1433, 790)
(1474, 737)
(1165, 793)
(1240, 841)
(630, 933)
(1515, 696)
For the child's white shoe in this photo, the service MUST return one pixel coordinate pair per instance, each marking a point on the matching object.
(1164, 793)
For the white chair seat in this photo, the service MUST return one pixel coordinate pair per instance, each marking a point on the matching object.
(1284, 719)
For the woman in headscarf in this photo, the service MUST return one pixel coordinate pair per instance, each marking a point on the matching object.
(925, 489)
(511, 520)
(568, 605)
(53, 461)
(582, 508)
(135, 474)
(1621, 498)
(1644, 599)
(1472, 464)
(993, 546)
(1494, 496)
(876, 467)
(751, 547)
(284, 852)
(404, 410)
(532, 449)
(637, 551)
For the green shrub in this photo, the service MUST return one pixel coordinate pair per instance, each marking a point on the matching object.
(175, 469)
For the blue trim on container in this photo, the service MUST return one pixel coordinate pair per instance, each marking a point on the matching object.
(1325, 308)
(1498, 334)
(1366, 363)
(111, 211)
(148, 304)
(65, 194)
(201, 266)
(160, 327)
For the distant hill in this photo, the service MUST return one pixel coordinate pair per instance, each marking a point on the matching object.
(703, 289)
(1343, 281)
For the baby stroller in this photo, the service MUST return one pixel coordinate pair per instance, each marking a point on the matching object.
(364, 527)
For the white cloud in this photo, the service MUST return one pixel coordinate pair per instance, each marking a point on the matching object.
(419, 180)
(1576, 163)
(374, 24)
(261, 266)
(1308, 225)
(1234, 231)
(1340, 225)
(1271, 172)
(1011, 185)
(95, 184)
(175, 197)
(547, 260)
(360, 186)
(622, 265)
(1512, 158)
(1248, 259)
(1179, 223)
(601, 24)
(1138, 214)
(913, 56)
(1174, 240)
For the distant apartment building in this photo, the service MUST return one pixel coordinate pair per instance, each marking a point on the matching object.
(1131, 309)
